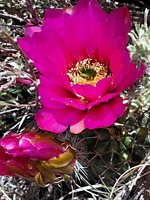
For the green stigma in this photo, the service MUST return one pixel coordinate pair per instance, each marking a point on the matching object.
(88, 73)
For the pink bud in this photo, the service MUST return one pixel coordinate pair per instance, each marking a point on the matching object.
(40, 157)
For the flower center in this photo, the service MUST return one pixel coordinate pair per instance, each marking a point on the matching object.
(88, 72)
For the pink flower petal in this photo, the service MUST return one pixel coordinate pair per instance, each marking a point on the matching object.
(54, 120)
(55, 95)
(73, 40)
(54, 19)
(31, 29)
(116, 60)
(103, 99)
(119, 61)
(49, 68)
(104, 86)
(124, 22)
(38, 49)
(75, 103)
(4, 156)
(77, 123)
(83, 5)
(24, 43)
(46, 121)
(53, 84)
(90, 16)
(105, 114)
(40, 149)
(131, 75)
(86, 90)
(9, 142)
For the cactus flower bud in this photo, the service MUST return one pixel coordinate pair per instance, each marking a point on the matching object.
(40, 157)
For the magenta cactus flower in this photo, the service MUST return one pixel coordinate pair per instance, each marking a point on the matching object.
(84, 65)
(40, 157)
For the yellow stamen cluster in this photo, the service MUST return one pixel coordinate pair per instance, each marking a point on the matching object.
(88, 72)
